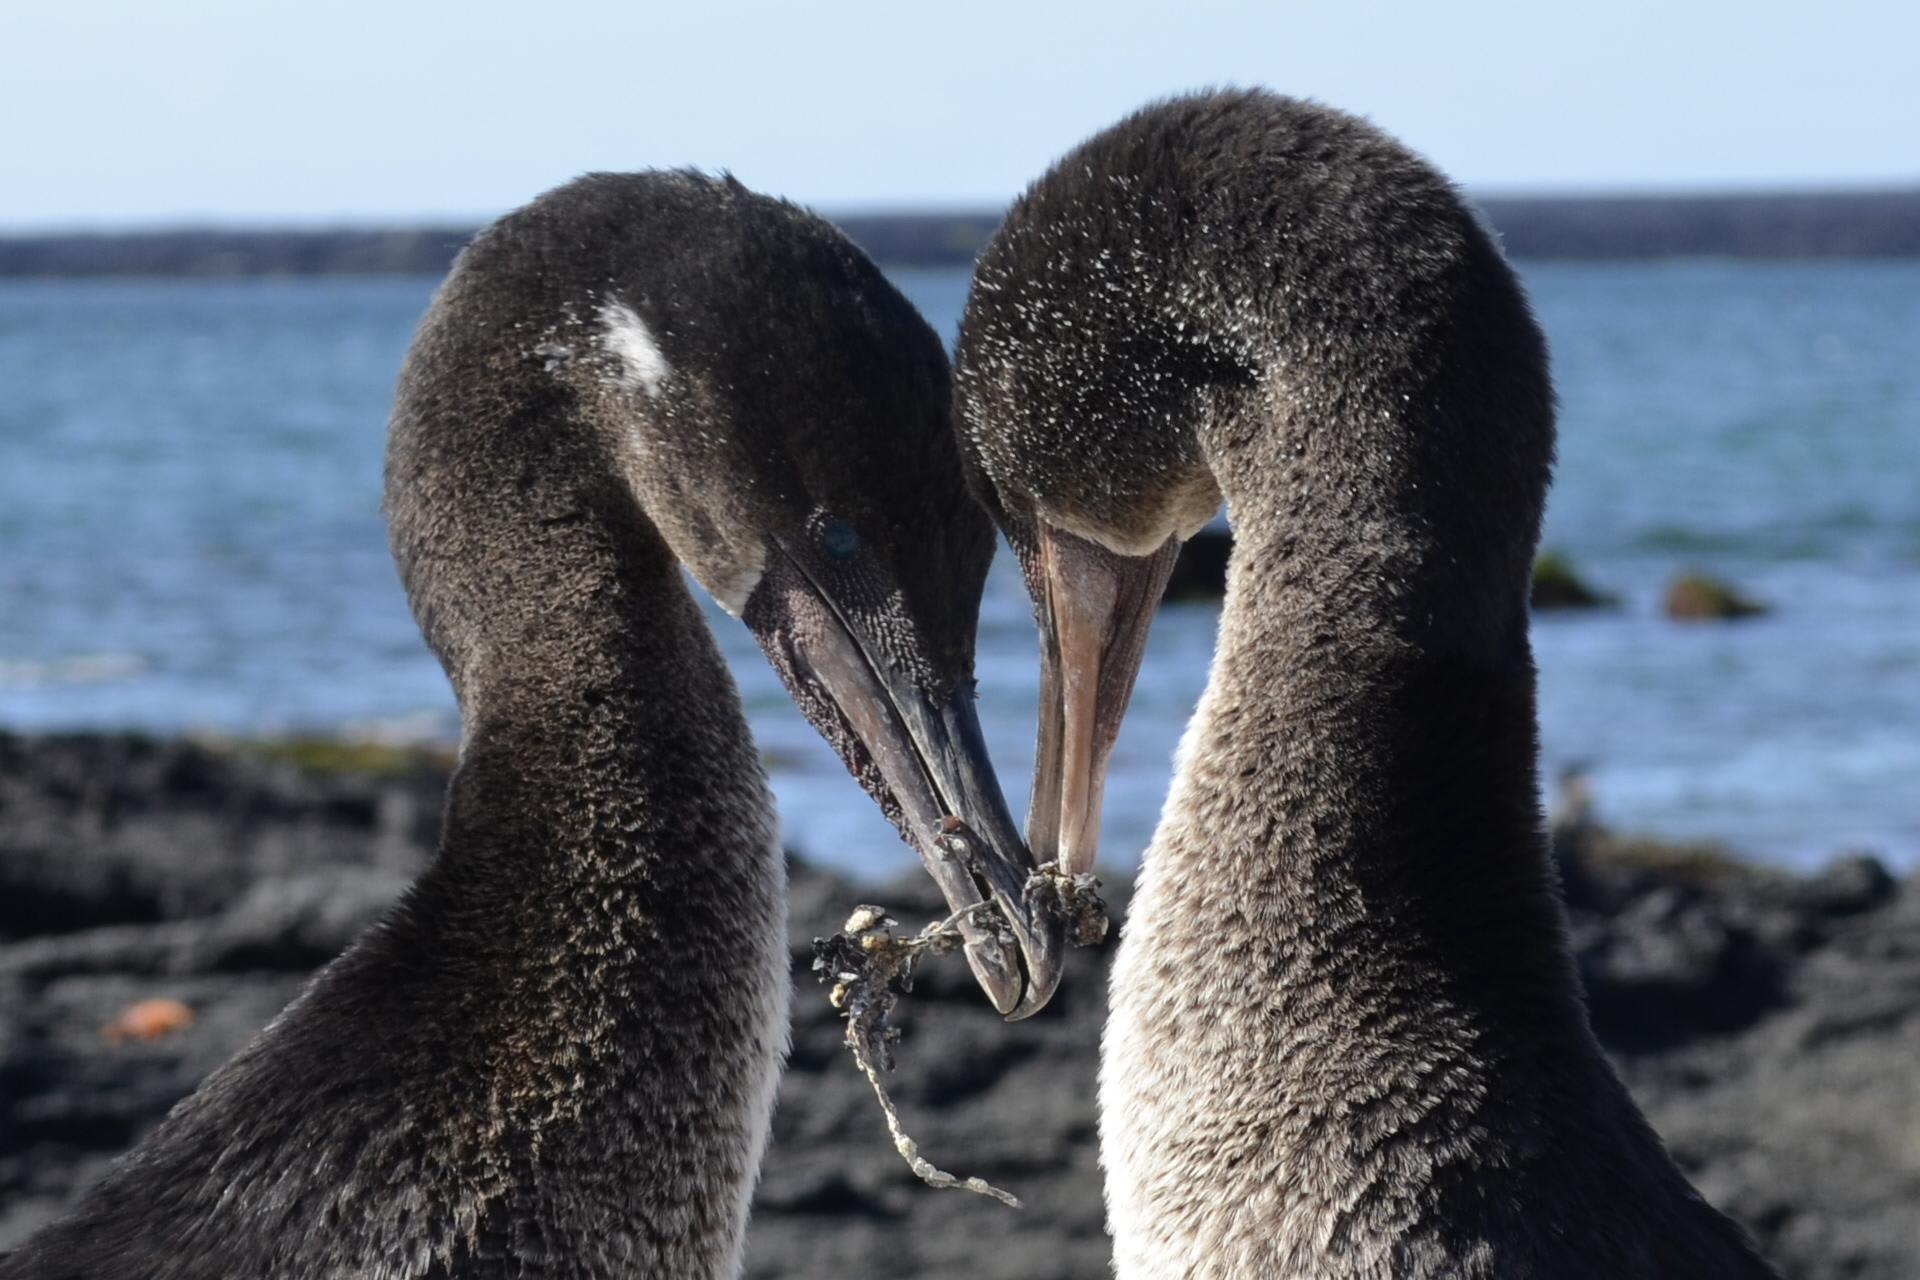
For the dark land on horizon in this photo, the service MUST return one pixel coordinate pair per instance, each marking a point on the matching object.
(1807, 225)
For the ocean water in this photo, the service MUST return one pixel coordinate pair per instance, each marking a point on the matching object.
(190, 540)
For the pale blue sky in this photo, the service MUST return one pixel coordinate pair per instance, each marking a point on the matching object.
(115, 113)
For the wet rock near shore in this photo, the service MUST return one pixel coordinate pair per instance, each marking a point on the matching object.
(1200, 570)
(1558, 585)
(1696, 597)
(1767, 1023)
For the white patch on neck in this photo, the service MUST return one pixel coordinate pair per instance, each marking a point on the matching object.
(625, 336)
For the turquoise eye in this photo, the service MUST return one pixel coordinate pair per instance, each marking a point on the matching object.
(839, 540)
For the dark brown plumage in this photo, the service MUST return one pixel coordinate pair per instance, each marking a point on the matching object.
(1347, 1039)
(557, 1055)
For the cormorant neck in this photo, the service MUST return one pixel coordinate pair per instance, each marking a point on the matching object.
(562, 1042)
(604, 742)
(1353, 748)
(1368, 735)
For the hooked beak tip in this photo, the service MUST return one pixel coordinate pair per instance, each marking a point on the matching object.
(1039, 990)
(1019, 972)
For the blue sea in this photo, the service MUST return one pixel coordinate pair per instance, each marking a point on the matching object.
(190, 541)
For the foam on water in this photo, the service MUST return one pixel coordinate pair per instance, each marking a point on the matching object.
(80, 668)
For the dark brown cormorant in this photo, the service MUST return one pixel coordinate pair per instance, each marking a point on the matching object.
(1346, 1039)
(557, 1055)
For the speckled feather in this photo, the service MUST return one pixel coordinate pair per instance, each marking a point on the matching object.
(556, 1057)
(1346, 1038)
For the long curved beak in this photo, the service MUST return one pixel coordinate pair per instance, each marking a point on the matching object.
(1094, 607)
(931, 759)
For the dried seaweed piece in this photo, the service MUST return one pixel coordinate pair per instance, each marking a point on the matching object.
(1073, 899)
(871, 969)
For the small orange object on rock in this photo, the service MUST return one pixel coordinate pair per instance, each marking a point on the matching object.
(148, 1020)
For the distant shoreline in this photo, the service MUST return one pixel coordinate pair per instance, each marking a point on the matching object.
(1813, 225)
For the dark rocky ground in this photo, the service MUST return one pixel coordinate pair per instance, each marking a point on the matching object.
(1770, 1026)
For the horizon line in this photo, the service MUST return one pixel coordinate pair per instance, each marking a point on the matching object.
(192, 222)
